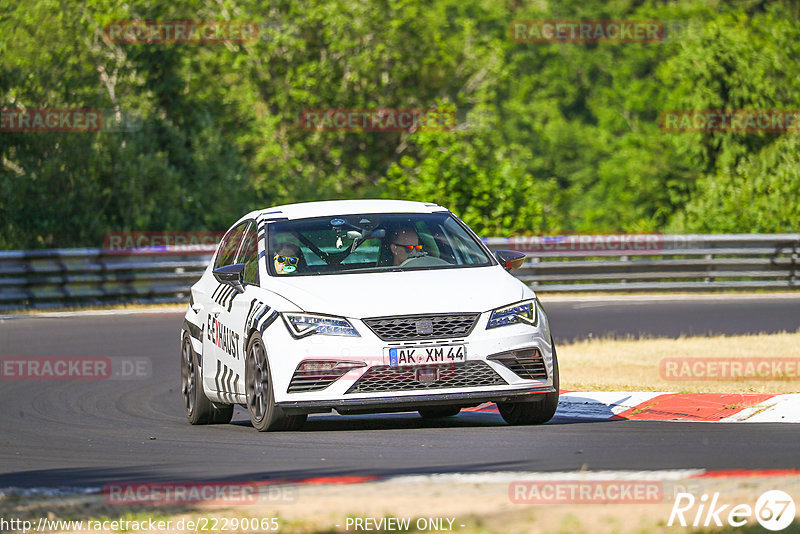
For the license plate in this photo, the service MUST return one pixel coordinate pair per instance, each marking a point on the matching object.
(400, 357)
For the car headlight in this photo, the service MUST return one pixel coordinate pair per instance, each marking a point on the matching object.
(520, 313)
(306, 324)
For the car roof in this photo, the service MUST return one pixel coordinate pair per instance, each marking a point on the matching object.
(343, 207)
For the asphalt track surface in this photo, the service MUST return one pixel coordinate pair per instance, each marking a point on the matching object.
(672, 317)
(89, 433)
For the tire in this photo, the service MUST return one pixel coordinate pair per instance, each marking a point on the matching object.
(264, 414)
(198, 408)
(436, 412)
(533, 413)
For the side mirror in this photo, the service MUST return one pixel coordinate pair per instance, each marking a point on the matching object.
(510, 259)
(231, 275)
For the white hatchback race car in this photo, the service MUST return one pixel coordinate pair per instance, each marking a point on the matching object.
(363, 306)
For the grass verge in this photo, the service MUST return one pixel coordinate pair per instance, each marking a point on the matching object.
(635, 364)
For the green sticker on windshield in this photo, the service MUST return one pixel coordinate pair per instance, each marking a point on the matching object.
(289, 269)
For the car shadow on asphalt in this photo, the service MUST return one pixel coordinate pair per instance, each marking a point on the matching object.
(412, 420)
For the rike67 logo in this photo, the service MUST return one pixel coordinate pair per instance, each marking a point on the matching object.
(774, 510)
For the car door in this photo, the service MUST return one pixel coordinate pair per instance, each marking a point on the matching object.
(220, 347)
(236, 311)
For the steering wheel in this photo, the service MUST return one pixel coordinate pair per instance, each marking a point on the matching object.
(423, 261)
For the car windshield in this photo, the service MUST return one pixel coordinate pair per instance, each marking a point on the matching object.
(371, 243)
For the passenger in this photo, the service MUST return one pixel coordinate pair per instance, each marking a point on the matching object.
(288, 258)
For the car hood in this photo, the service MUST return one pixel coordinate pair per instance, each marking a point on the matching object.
(473, 289)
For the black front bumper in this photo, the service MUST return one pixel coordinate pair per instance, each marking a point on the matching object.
(410, 403)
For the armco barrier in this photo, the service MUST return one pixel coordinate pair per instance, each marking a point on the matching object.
(656, 262)
(67, 277)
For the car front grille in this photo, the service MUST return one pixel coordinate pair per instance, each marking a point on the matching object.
(527, 364)
(460, 375)
(434, 326)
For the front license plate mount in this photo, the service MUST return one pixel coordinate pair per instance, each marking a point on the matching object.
(425, 355)
(427, 374)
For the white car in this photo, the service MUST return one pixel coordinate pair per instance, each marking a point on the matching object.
(363, 306)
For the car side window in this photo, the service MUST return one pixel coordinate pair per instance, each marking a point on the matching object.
(248, 255)
(463, 246)
(427, 239)
(230, 246)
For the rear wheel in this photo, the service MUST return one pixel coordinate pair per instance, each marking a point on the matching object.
(264, 414)
(199, 409)
(533, 413)
(439, 411)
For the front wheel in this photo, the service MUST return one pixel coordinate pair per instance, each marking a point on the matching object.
(264, 414)
(533, 413)
(199, 409)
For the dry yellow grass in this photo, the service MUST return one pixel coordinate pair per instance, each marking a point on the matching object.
(633, 365)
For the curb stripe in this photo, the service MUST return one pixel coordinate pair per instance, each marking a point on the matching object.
(497, 477)
(693, 407)
(659, 406)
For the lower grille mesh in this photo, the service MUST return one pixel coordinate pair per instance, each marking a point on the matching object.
(526, 364)
(304, 381)
(460, 375)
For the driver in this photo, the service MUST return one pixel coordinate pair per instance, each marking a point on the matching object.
(287, 258)
(403, 242)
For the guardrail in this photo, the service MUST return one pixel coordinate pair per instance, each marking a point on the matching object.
(657, 262)
(67, 277)
(572, 263)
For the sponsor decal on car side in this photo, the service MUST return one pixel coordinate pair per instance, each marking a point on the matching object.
(224, 295)
(223, 337)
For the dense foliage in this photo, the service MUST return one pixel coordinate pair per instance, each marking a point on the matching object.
(551, 137)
